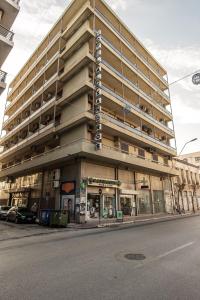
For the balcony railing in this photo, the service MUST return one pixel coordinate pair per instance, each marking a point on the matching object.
(134, 107)
(6, 33)
(136, 131)
(86, 142)
(136, 87)
(3, 76)
(156, 87)
(142, 57)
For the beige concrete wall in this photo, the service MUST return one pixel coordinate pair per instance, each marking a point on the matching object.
(79, 132)
(77, 56)
(98, 171)
(126, 176)
(156, 183)
(74, 108)
(73, 84)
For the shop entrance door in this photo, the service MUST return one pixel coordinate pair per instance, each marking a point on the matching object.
(109, 208)
(93, 206)
(68, 203)
(127, 205)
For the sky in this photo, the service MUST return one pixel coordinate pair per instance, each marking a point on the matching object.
(169, 29)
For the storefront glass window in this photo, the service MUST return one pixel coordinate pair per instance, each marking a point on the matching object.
(126, 206)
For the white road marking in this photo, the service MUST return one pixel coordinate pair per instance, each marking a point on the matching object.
(176, 249)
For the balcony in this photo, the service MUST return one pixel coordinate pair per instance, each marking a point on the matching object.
(133, 49)
(139, 134)
(6, 43)
(11, 9)
(41, 90)
(136, 69)
(33, 115)
(137, 109)
(86, 148)
(135, 87)
(2, 81)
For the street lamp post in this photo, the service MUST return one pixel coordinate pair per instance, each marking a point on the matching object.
(180, 186)
(193, 140)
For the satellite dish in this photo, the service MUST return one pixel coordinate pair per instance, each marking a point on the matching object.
(196, 78)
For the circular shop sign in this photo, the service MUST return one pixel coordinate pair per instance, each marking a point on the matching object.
(196, 78)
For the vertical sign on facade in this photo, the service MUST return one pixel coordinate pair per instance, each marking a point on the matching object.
(98, 98)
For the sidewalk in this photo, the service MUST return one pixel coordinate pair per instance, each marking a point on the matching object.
(12, 231)
(144, 219)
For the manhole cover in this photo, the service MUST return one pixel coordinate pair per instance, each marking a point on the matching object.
(133, 256)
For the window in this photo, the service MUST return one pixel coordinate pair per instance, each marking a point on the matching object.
(124, 147)
(197, 159)
(141, 153)
(155, 157)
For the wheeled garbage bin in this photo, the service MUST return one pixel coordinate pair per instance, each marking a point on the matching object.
(58, 218)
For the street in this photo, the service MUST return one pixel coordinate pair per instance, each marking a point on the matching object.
(93, 264)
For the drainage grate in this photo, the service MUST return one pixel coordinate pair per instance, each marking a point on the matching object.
(132, 256)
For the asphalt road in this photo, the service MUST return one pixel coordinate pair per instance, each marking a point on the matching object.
(91, 264)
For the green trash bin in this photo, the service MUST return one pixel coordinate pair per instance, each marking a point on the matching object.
(58, 218)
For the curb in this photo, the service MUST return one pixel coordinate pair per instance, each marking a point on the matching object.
(149, 221)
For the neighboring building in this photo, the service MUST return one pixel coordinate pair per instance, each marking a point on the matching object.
(8, 12)
(192, 158)
(186, 186)
(89, 124)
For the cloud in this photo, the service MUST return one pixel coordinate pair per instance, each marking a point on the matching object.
(118, 4)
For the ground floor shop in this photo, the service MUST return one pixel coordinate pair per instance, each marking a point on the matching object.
(94, 192)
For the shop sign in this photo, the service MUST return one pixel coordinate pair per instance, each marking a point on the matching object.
(103, 182)
(98, 98)
(129, 192)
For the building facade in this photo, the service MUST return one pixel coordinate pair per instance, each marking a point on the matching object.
(186, 186)
(8, 12)
(192, 158)
(88, 123)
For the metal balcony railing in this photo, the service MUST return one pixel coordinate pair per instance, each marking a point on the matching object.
(143, 58)
(134, 107)
(156, 87)
(3, 76)
(6, 33)
(135, 130)
(135, 85)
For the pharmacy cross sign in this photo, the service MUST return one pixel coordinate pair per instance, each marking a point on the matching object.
(196, 78)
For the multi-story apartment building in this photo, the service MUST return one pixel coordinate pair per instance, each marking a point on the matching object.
(89, 124)
(186, 186)
(8, 12)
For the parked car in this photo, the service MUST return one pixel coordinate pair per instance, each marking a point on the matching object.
(3, 212)
(20, 215)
